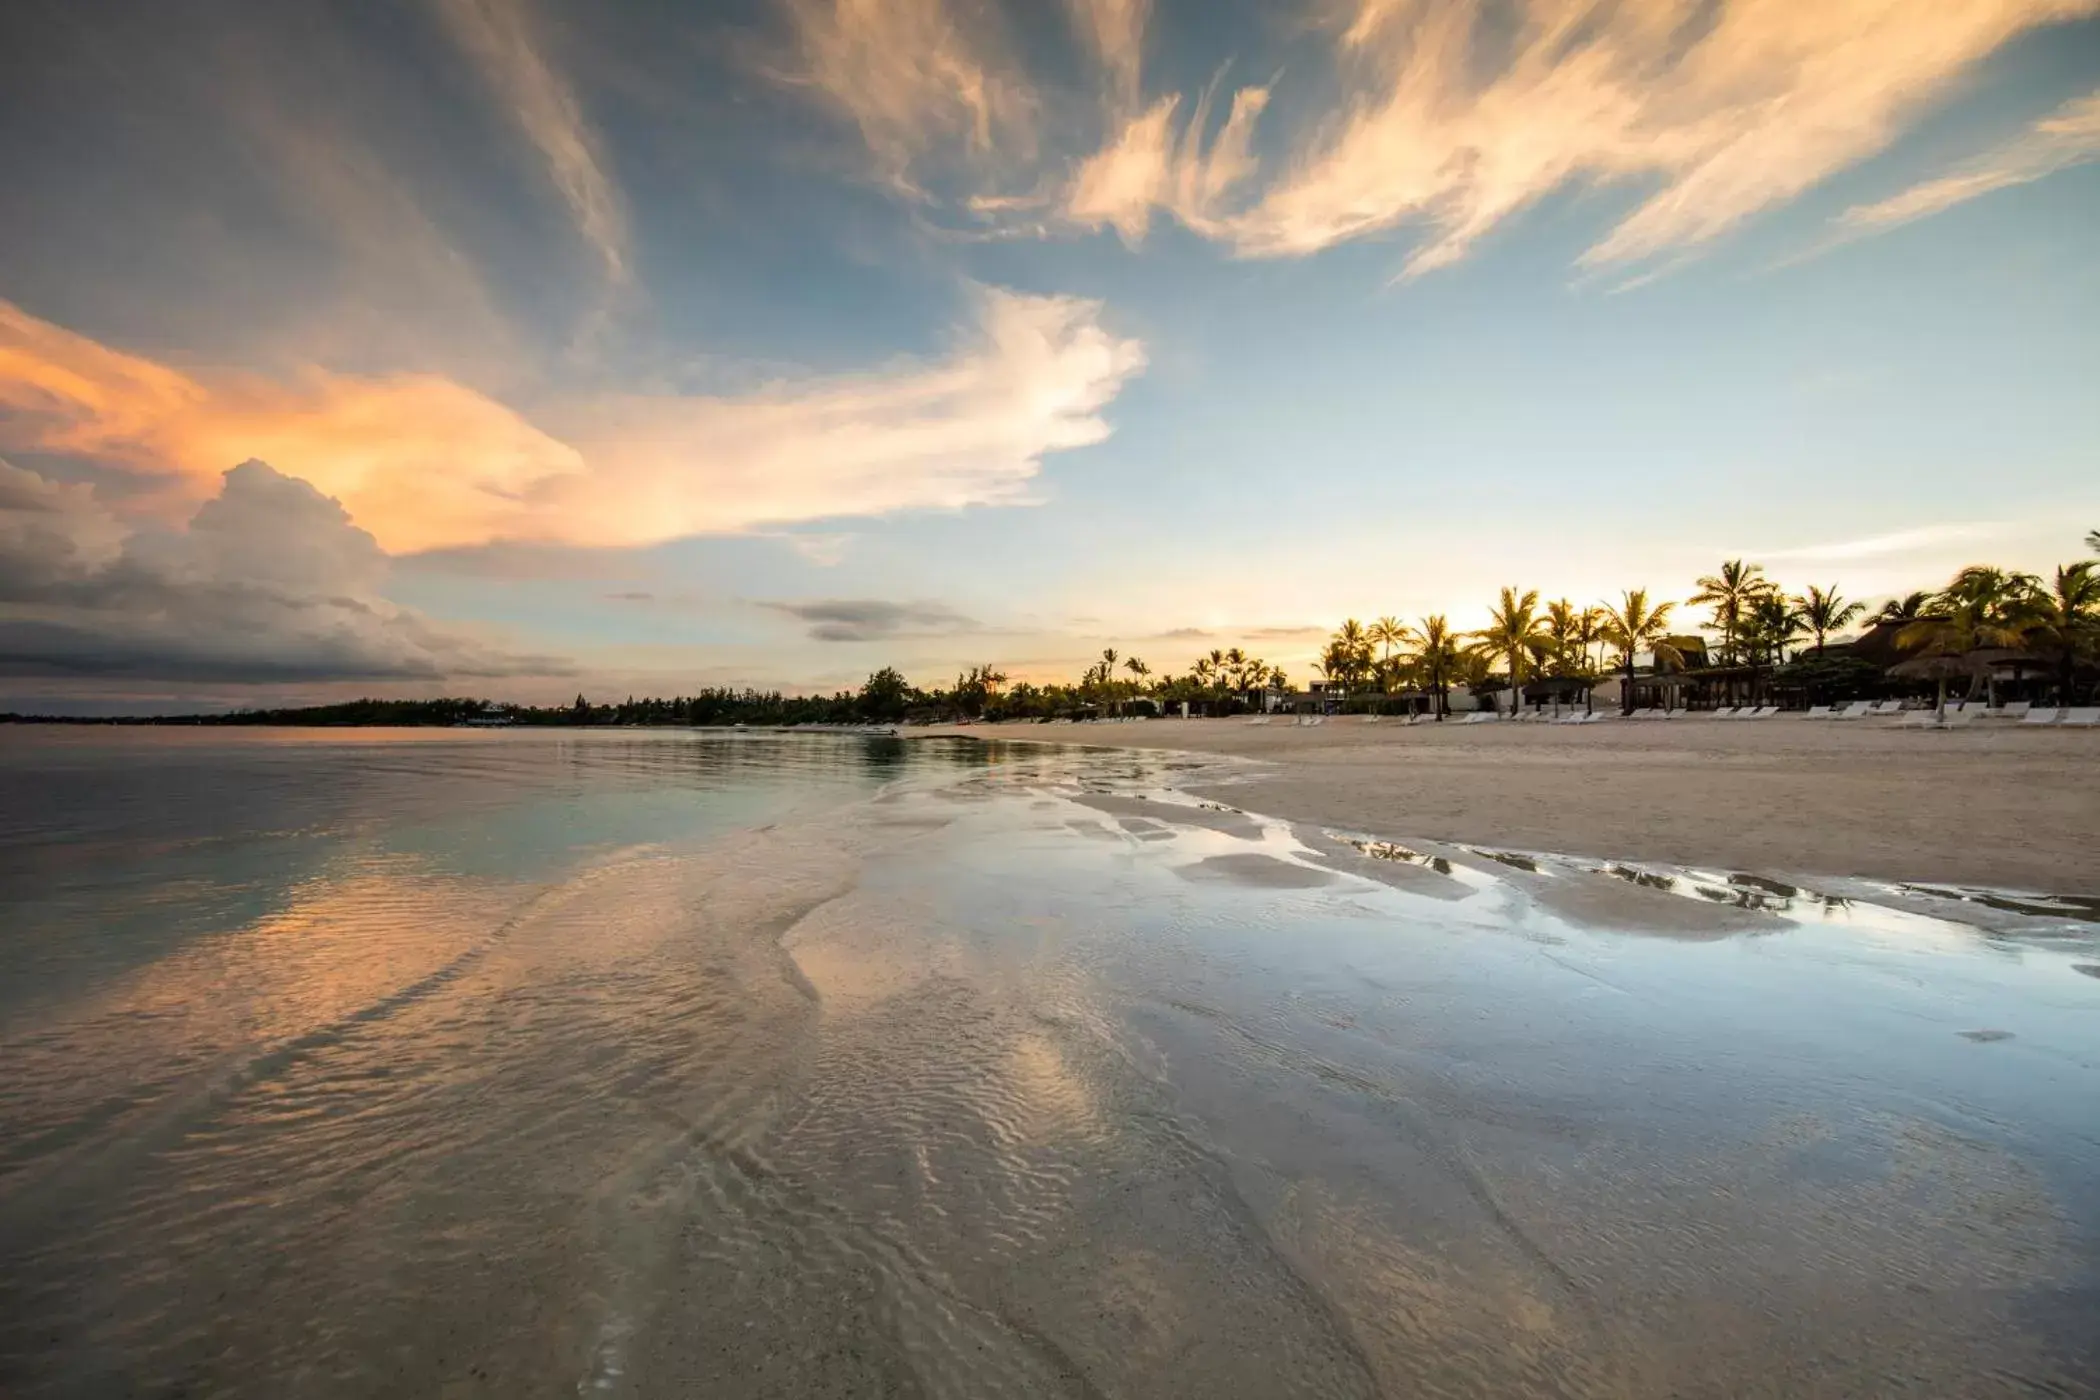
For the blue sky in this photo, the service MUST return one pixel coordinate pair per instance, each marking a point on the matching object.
(646, 346)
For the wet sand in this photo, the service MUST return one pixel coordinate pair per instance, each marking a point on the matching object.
(1786, 796)
(1015, 1070)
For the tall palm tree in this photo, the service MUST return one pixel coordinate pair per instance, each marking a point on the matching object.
(1826, 611)
(1386, 633)
(1589, 632)
(1513, 630)
(1563, 628)
(1138, 671)
(1633, 627)
(2092, 540)
(1732, 593)
(1981, 607)
(1770, 628)
(1435, 648)
(2064, 620)
(1352, 647)
(1909, 608)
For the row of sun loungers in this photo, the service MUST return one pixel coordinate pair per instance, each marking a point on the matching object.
(1956, 716)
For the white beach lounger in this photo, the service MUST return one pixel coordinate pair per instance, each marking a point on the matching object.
(1819, 712)
(1887, 707)
(2040, 715)
(1858, 709)
(1679, 713)
(1259, 719)
(1728, 712)
(2081, 717)
(1956, 719)
(2013, 709)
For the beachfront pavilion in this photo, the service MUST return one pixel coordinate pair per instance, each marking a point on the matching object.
(1661, 692)
(1561, 693)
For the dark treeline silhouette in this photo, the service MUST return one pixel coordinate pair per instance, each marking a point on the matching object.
(1769, 644)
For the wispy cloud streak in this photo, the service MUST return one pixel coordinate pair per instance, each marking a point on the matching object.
(1157, 163)
(1734, 107)
(500, 36)
(921, 83)
(2067, 137)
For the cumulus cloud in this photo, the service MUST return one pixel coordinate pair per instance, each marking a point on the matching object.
(873, 619)
(500, 36)
(2066, 137)
(426, 463)
(269, 581)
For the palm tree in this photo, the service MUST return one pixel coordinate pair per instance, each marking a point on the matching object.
(1826, 611)
(1386, 633)
(1138, 671)
(1981, 607)
(1564, 629)
(1352, 646)
(2065, 619)
(1769, 628)
(1733, 592)
(1909, 608)
(1589, 632)
(1435, 647)
(1513, 630)
(1633, 627)
(2092, 540)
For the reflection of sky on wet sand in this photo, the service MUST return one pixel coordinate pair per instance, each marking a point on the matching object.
(770, 1065)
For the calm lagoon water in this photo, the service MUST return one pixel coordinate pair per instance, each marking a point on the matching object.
(643, 1063)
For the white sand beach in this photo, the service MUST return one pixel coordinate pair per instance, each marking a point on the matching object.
(1998, 805)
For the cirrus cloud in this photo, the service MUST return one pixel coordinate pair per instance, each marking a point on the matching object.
(1444, 116)
(2067, 137)
(1734, 107)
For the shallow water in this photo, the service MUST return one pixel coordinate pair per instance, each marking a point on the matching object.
(651, 1063)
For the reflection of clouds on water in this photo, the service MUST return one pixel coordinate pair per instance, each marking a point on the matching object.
(769, 1065)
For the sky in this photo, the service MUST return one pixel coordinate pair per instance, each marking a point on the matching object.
(523, 347)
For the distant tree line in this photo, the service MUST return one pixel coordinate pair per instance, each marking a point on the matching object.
(1766, 640)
